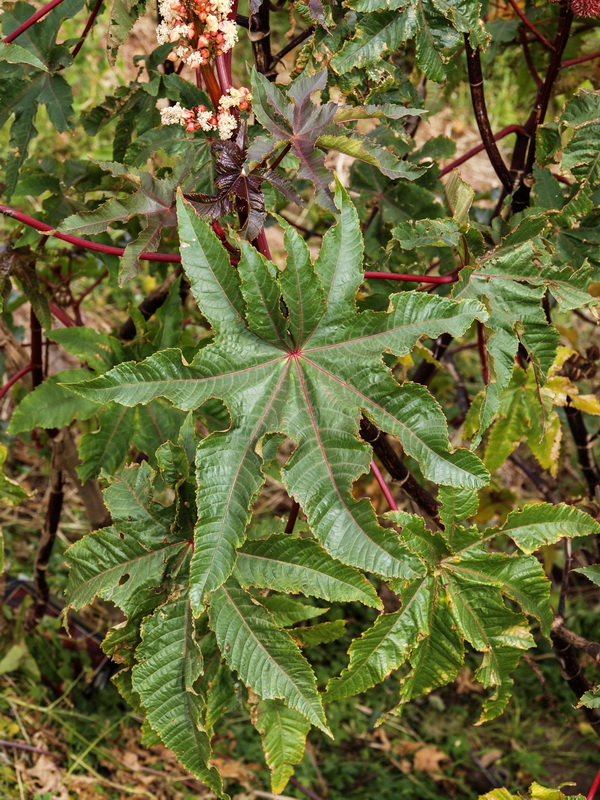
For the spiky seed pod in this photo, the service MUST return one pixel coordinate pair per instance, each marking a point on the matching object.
(585, 8)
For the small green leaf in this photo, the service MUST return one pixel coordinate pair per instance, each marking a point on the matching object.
(544, 523)
(169, 664)
(265, 657)
(283, 733)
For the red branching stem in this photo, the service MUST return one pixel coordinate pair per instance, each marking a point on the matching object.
(289, 528)
(383, 486)
(85, 243)
(61, 316)
(572, 61)
(31, 21)
(212, 84)
(262, 245)
(15, 378)
(481, 347)
(594, 787)
(88, 26)
(402, 276)
(218, 229)
(480, 148)
(223, 73)
(529, 24)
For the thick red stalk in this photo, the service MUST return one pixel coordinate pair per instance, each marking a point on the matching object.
(223, 73)
(212, 84)
(383, 486)
(31, 21)
(482, 118)
(36, 358)
(480, 148)
(262, 245)
(289, 528)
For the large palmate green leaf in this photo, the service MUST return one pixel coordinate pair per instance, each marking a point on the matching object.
(521, 416)
(310, 376)
(461, 601)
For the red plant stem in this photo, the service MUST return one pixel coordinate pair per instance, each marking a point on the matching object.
(304, 790)
(76, 240)
(572, 61)
(480, 148)
(212, 84)
(11, 382)
(289, 528)
(481, 346)
(281, 156)
(223, 73)
(383, 486)
(31, 21)
(175, 259)
(527, 22)
(223, 237)
(594, 787)
(61, 316)
(402, 276)
(88, 27)
(262, 245)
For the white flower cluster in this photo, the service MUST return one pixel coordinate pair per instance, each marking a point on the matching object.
(198, 29)
(200, 118)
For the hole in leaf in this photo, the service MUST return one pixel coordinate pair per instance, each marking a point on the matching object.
(124, 578)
